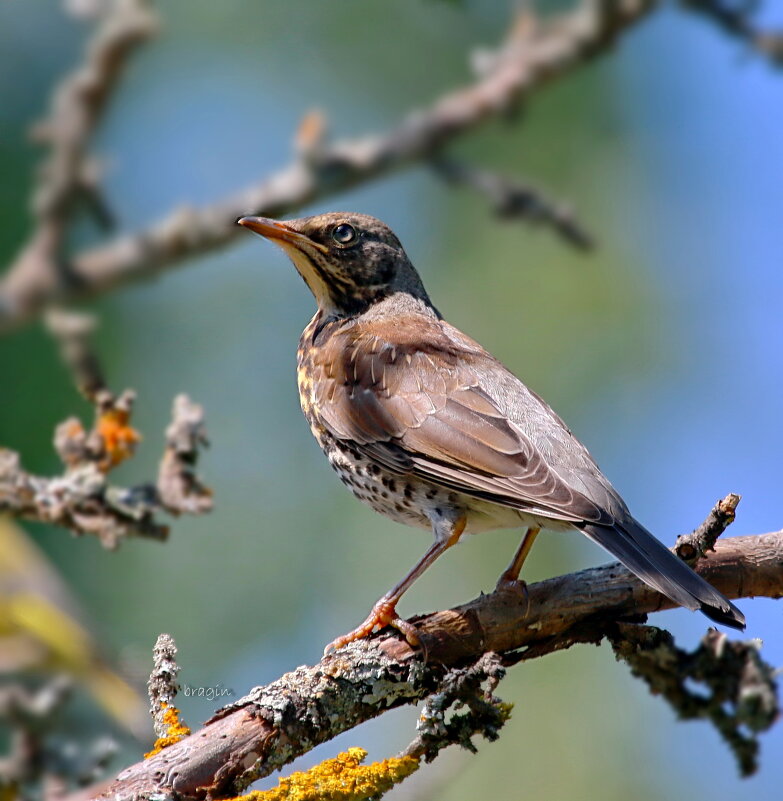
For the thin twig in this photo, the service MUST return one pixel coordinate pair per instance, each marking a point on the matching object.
(73, 332)
(461, 688)
(511, 199)
(702, 539)
(734, 18)
(163, 686)
(82, 499)
(69, 176)
(179, 488)
(535, 53)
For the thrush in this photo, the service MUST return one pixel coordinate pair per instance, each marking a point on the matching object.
(429, 429)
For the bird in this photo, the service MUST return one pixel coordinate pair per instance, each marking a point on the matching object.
(428, 428)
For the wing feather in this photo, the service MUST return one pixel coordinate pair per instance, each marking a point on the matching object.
(422, 410)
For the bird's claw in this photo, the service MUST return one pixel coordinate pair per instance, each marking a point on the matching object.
(517, 586)
(383, 614)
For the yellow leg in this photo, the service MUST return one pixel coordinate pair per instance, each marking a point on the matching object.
(384, 612)
(511, 573)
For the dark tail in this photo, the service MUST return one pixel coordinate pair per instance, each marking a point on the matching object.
(657, 566)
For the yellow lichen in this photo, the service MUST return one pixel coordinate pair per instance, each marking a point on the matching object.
(343, 778)
(175, 730)
(119, 438)
(9, 792)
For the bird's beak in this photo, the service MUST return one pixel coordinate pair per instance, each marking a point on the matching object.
(279, 232)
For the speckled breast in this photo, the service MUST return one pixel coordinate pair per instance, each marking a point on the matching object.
(403, 498)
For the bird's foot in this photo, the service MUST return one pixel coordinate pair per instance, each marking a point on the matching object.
(383, 614)
(512, 584)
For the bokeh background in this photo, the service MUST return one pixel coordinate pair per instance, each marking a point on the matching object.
(662, 350)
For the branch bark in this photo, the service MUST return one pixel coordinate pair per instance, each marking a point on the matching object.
(82, 499)
(275, 724)
(534, 53)
(68, 176)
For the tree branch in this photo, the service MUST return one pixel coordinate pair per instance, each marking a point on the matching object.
(739, 694)
(68, 176)
(535, 53)
(693, 546)
(734, 18)
(275, 724)
(512, 199)
(82, 499)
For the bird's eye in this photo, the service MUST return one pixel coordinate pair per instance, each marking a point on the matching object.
(344, 234)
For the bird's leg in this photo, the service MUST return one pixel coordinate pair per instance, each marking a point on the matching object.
(384, 613)
(511, 574)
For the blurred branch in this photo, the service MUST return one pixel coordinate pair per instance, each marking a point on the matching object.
(276, 723)
(738, 693)
(511, 199)
(68, 177)
(734, 18)
(30, 716)
(178, 487)
(40, 764)
(82, 499)
(535, 52)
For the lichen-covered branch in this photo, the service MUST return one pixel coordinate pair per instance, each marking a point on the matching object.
(162, 689)
(82, 498)
(40, 763)
(535, 52)
(462, 708)
(480, 712)
(163, 686)
(276, 723)
(737, 689)
(342, 778)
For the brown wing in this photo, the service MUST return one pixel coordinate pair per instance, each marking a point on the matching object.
(419, 405)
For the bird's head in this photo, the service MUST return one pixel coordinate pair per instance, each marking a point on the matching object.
(349, 261)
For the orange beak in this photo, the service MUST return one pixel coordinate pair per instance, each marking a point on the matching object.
(279, 232)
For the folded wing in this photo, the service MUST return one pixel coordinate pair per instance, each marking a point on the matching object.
(423, 410)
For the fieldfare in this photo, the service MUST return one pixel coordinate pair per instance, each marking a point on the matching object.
(428, 428)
